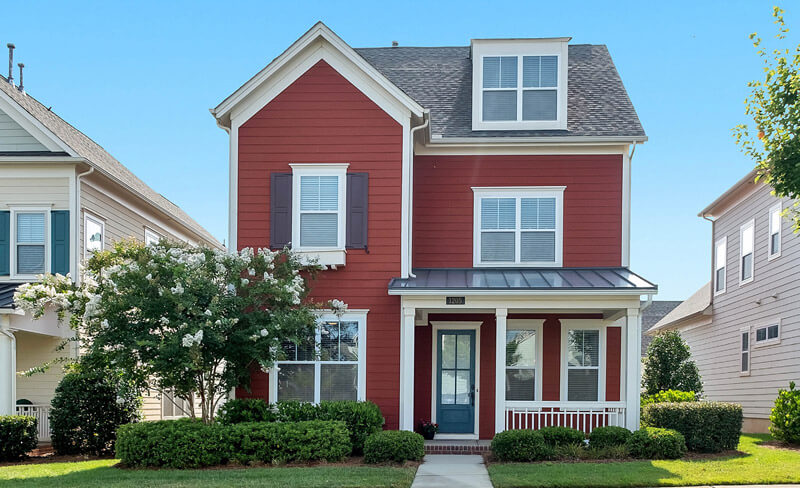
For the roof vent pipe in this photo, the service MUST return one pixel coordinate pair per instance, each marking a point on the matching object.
(395, 43)
(10, 47)
(20, 87)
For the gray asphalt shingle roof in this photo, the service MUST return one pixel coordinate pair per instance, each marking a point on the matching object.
(651, 315)
(440, 79)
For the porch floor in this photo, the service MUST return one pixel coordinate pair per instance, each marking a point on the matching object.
(465, 446)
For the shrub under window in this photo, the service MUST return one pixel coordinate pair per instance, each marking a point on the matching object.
(17, 436)
(656, 443)
(610, 436)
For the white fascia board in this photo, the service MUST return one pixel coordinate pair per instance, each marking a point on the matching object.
(524, 149)
(500, 141)
(35, 128)
(43, 159)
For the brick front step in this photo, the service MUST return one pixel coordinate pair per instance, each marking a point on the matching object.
(457, 447)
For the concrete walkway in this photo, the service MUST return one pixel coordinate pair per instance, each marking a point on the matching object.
(448, 470)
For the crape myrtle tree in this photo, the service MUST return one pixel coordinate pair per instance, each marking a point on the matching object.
(669, 366)
(190, 320)
(773, 140)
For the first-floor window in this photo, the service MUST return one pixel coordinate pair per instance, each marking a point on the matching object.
(31, 232)
(173, 406)
(521, 365)
(583, 365)
(745, 351)
(325, 367)
(767, 333)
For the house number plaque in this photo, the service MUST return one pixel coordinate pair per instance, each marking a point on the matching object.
(455, 300)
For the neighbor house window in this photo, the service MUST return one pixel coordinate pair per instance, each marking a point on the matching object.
(151, 238)
(174, 407)
(30, 242)
(583, 365)
(768, 333)
(720, 267)
(94, 232)
(518, 226)
(520, 365)
(745, 350)
(746, 246)
(775, 231)
(319, 206)
(520, 88)
(326, 367)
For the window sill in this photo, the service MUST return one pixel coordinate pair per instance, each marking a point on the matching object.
(331, 257)
(766, 343)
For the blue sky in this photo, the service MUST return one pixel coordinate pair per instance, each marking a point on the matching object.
(139, 78)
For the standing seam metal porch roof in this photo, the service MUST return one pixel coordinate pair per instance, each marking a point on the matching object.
(517, 279)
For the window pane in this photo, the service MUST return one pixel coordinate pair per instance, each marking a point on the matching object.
(499, 105)
(745, 341)
(549, 67)
(508, 72)
(582, 385)
(94, 236)
(720, 279)
(538, 213)
(775, 243)
(338, 382)
(448, 382)
(583, 348)
(463, 352)
(348, 341)
(775, 221)
(761, 334)
(530, 71)
(296, 382)
(319, 193)
(720, 255)
(491, 72)
(30, 228)
(448, 351)
(520, 348)
(745, 361)
(302, 352)
(520, 385)
(538, 246)
(498, 213)
(747, 266)
(463, 387)
(319, 230)
(30, 259)
(772, 332)
(747, 240)
(539, 105)
(329, 341)
(497, 247)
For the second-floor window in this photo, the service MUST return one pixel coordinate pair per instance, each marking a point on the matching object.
(94, 230)
(746, 247)
(518, 226)
(30, 242)
(720, 266)
(520, 88)
(151, 238)
(774, 245)
(318, 217)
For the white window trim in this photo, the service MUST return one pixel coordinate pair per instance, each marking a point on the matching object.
(173, 405)
(151, 234)
(724, 242)
(520, 48)
(778, 207)
(355, 315)
(519, 192)
(751, 223)
(583, 324)
(765, 325)
(742, 352)
(13, 240)
(97, 220)
(536, 326)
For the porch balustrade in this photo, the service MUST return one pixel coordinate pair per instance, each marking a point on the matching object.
(42, 415)
(585, 417)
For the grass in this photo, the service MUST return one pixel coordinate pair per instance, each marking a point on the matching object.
(758, 465)
(103, 473)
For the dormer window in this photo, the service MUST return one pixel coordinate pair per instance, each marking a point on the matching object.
(519, 84)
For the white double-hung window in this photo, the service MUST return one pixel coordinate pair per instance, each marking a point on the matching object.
(521, 355)
(318, 209)
(518, 226)
(31, 234)
(720, 265)
(746, 256)
(94, 232)
(583, 365)
(775, 221)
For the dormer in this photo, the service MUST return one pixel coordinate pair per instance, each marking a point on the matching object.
(519, 84)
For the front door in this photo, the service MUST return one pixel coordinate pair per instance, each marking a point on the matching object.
(455, 381)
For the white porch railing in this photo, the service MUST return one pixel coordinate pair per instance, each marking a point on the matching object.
(582, 417)
(42, 414)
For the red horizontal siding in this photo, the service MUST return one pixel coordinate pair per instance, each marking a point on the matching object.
(322, 118)
(443, 204)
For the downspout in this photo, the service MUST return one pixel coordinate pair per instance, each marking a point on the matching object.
(427, 120)
(231, 247)
(77, 275)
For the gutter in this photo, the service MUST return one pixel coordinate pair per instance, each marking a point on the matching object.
(541, 140)
(411, 191)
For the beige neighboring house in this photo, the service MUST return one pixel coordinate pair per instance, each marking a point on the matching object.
(743, 326)
(61, 197)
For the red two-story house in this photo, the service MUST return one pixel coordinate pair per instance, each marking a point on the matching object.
(472, 206)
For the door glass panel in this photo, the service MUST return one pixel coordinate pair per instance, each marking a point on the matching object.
(463, 352)
(448, 382)
(462, 387)
(448, 351)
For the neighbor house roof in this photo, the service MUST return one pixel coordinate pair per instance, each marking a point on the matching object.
(440, 79)
(100, 159)
(696, 305)
(652, 314)
(731, 195)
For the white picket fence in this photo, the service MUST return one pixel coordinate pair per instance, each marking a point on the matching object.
(585, 418)
(42, 415)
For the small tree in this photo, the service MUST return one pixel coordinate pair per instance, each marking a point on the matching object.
(668, 366)
(191, 320)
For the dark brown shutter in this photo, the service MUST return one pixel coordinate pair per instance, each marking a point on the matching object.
(280, 210)
(357, 203)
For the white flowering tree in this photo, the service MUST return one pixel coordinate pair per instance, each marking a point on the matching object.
(190, 320)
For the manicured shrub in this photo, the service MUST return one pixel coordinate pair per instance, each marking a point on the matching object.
(17, 436)
(88, 407)
(706, 426)
(562, 436)
(520, 445)
(394, 445)
(669, 366)
(669, 396)
(785, 417)
(288, 441)
(610, 436)
(362, 418)
(656, 443)
(246, 410)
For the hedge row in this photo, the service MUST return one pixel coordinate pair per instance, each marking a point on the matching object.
(17, 436)
(707, 426)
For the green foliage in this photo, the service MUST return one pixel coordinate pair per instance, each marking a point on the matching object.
(188, 443)
(521, 445)
(88, 408)
(17, 436)
(669, 396)
(394, 445)
(668, 366)
(656, 443)
(578, 452)
(610, 436)
(362, 419)
(562, 436)
(241, 410)
(706, 426)
(785, 417)
(774, 106)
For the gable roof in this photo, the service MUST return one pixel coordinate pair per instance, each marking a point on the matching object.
(742, 187)
(696, 305)
(657, 310)
(82, 146)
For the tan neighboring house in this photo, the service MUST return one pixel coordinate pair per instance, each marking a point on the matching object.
(743, 327)
(61, 197)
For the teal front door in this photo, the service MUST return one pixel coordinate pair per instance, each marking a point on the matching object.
(455, 381)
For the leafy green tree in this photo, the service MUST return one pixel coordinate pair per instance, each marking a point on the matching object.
(774, 104)
(668, 366)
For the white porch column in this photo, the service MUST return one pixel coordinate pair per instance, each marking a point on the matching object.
(501, 314)
(407, 369)
(633, 368)
(8, 368)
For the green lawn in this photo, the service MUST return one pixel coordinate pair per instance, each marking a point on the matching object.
(759, 465)
(103, 473)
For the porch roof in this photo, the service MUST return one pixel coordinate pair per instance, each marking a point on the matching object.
(7, 294)
(515, 280)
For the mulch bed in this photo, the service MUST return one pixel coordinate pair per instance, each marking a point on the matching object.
(773, 444)
(689, 456)
(349, 462)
